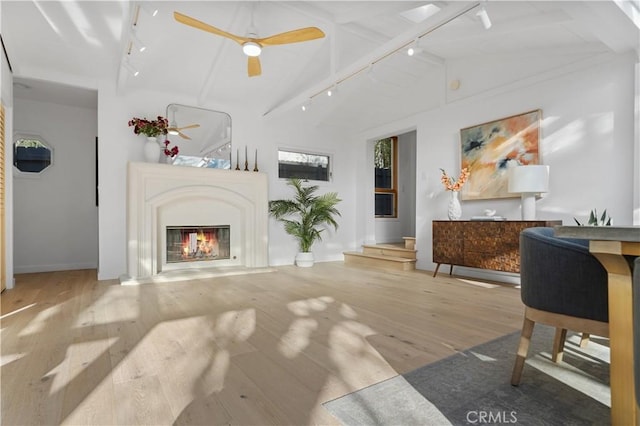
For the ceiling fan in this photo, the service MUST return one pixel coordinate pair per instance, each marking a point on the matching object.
(252, 45)
(178, 130)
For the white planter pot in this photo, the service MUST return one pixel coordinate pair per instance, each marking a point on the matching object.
(304, 260)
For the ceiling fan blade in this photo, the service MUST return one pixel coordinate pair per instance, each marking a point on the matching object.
(254, 66)
(190, 126)
(183, 136)
(294, 36)
(192, 22)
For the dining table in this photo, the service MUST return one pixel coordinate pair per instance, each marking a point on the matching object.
(616, 247)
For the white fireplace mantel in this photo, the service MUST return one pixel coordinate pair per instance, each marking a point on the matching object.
(161, 195)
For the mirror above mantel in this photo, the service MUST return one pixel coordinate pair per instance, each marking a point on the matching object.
(203, 136)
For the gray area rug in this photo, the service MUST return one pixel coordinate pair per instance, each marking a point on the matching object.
(473, 387)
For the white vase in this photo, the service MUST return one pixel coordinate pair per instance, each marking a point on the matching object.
(151, 150)
(455, 209)
(304, 260)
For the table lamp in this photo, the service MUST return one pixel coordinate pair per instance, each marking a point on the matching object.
(528, 181)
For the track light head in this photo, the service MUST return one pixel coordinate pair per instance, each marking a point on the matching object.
(484, 17)
(137, 42)
(150, 9)
(414, 48)
(127, 65)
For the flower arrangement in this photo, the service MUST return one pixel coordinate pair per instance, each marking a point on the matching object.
(451, 184)
(170, 152)
(149, 128)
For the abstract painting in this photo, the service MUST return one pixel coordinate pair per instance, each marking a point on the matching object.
(489, 149)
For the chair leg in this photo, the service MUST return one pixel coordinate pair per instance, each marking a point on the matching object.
(584, 339)
(558, 344)
(523, 349)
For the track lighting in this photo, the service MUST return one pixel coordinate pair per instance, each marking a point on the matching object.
(414, 48)
(127, 65)
(137, 42)
(484, 17)
(306, 105)
(147, 7)
(333, 90)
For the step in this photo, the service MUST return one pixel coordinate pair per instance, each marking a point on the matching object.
(388, 250)
(409, 242)
(379, 261)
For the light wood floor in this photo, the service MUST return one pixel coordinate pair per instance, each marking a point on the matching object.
(254, 349)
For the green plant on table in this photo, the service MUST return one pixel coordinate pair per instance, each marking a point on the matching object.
(603, 220)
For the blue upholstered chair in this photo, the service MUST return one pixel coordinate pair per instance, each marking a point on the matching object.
(562, 285)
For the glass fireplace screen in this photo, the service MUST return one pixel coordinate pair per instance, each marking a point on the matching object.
(196, 243)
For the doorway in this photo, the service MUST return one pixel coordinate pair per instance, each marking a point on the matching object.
(401, 222)
(55, 222)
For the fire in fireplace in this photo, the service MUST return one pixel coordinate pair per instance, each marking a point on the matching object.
(197, 243)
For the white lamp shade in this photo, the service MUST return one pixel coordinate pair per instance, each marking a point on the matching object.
(532, 179)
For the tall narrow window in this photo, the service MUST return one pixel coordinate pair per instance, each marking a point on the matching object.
(386, 177)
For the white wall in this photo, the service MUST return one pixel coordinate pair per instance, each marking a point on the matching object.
(587, 140)
(55, 214)
(118, 145)
(391, 230)
(6, 96)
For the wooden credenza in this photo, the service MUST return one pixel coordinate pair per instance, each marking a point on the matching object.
(482, 244)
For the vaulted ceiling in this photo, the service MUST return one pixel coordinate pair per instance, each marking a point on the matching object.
(363, 53)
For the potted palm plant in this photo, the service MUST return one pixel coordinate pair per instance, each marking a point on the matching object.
(305, 217)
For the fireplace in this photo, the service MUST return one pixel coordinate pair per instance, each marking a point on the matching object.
(197, 243)
(170, 205)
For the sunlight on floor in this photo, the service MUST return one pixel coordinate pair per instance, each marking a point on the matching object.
(571, 376)
(478, 283)
(8, 314)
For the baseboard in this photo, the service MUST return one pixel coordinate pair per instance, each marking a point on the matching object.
(485, 274)
(28, 269)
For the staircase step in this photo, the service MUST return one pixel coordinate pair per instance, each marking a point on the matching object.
(379, 261)
(409, 242)
(389, 250)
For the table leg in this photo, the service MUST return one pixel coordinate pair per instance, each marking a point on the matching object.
(623, 400)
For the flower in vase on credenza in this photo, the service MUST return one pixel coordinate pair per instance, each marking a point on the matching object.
(452, 184)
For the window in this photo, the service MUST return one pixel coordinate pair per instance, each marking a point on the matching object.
(31, 154)
(386, 179)
(303, 165)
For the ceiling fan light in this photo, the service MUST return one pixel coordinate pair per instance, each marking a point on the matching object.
(251, 48)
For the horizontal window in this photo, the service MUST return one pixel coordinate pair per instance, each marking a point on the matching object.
(303, 165)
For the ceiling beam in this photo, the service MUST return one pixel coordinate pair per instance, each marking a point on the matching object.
(448, 14)
(210, 80)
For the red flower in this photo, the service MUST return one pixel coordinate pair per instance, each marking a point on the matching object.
(149, 128)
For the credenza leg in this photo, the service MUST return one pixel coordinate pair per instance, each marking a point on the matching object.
(436, 271)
